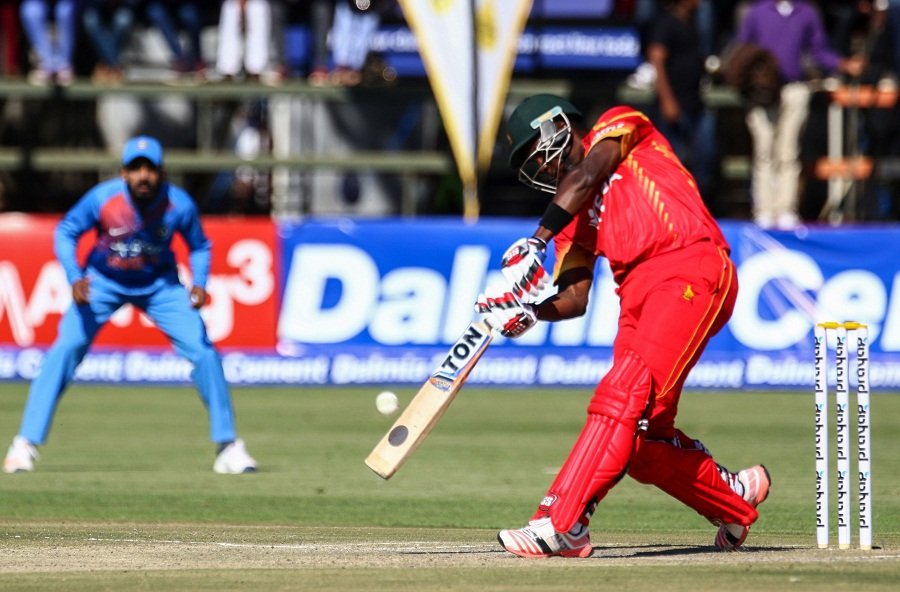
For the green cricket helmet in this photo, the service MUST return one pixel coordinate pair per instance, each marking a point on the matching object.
(544, 117)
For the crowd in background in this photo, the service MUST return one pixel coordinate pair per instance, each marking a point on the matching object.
(51, 40)
(777, 54)
(687, 45)
(43, 39)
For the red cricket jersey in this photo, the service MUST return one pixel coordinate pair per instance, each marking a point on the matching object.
(648, 206)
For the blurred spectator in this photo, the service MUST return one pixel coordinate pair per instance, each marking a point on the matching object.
(844, 21)
(284, 12)
(9, 37)
(792, 31)
(108, 24)
(647, 11)
(54, 52)
(321, 16)
(355, 22)
(188, 58)
(893, 26)
(675, 53)
(646, 14)
(879, 127)
(246, 190)
(244, 34)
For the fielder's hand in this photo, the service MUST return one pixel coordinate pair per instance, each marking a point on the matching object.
(506, 312)
(81, 291)
(523, 267)
(199, 297)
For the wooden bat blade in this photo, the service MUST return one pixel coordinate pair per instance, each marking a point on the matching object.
(430, 403)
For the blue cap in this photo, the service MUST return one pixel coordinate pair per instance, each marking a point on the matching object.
(143, 147)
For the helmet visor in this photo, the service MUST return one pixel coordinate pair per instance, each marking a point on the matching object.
(542, 167)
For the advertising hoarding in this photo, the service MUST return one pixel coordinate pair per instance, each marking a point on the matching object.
(343, 302)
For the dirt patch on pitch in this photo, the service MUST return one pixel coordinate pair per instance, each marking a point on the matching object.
(96, 547)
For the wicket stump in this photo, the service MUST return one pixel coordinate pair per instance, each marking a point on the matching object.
(860, 334)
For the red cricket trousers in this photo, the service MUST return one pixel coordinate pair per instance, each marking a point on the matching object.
(670, 307)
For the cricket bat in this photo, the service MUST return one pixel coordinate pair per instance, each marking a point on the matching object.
(430, 403)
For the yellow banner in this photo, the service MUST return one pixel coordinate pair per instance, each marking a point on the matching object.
(456, 38)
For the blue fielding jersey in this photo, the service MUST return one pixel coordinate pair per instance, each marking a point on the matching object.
(133, 248)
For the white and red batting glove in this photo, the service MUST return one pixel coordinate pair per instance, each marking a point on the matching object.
(523, 267)
(507, 313)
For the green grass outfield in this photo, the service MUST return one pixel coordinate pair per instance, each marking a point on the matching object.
(124, 497)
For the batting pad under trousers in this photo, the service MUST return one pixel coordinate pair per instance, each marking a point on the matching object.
(670, 306)
(170, 309)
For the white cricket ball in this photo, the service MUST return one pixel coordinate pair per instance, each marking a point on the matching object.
(386, 403)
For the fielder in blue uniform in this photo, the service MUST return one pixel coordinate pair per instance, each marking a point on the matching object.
(135, 217)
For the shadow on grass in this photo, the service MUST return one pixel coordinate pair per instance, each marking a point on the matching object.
(678, 550)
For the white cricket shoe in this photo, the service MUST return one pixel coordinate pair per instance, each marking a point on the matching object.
(20, 457)
(233, 460)
(756, 482)
(538, 539)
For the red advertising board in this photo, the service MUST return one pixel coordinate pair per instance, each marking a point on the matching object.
(241, 314)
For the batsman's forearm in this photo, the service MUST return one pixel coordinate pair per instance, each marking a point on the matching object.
(578, 186)
(572, 299)
(559, 309)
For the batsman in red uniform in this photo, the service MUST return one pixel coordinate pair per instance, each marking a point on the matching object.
(621, 193)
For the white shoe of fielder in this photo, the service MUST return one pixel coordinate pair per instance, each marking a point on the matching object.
(538, 539)
(234, 459)
(756, 482)
(20, 457)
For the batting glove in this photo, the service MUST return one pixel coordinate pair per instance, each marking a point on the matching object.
(523, 267)
(506, 312)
